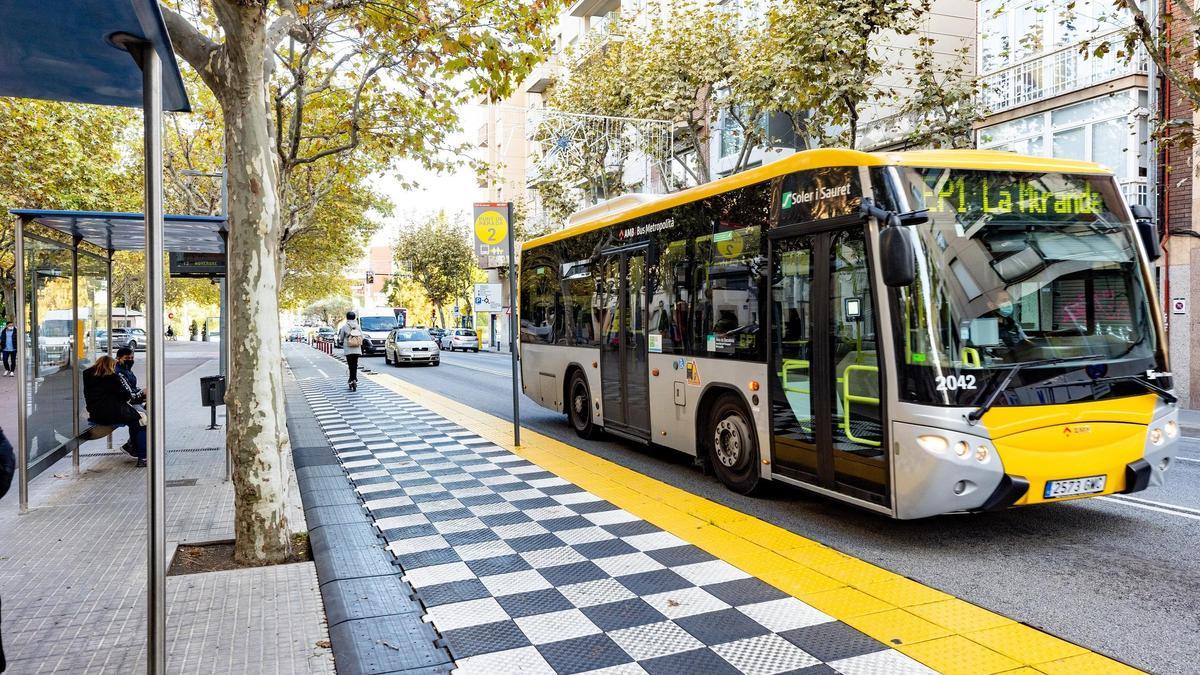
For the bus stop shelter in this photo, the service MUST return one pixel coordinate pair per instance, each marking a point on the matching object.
(110, 52)
(64, 310)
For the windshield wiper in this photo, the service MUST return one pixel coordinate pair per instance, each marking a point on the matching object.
(1165, 394)
(974, 416)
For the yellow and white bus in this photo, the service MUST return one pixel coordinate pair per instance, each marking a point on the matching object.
(916, 333)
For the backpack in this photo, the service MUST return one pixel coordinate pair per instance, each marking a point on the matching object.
(354, 338)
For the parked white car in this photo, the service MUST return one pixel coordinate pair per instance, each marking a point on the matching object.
(460, 338)
(410, 345)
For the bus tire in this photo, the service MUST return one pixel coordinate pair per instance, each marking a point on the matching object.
(732, 446)
(579, 406)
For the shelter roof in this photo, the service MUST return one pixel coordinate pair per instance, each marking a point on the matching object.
(127, 231)
(62, 50)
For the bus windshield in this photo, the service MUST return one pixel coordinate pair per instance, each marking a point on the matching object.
(1021, 268)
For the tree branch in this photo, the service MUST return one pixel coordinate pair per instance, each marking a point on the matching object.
(196, 48)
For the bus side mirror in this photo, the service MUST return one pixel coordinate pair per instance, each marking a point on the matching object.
(1147, 230)
(899, 263)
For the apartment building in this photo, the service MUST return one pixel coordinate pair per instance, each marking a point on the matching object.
(504, 141)
(1178, 202)
(1047, 98)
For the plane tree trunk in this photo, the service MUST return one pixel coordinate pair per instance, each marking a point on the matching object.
(256, 432)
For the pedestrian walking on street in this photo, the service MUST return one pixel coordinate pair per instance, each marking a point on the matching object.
(8, 348)
(8, 466)
(351, 337)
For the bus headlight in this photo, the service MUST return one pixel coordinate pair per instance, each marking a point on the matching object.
(933, 443)
(1171, 428)
(981, 453)
(1156, 436)
(961, 448)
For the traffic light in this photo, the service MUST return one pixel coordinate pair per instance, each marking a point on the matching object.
(370, 278)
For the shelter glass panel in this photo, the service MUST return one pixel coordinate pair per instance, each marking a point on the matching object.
(49, 337)
(93, 317)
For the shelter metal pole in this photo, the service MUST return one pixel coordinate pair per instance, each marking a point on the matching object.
(109, 324)
(73, 358)
(156, 580)
(22, 378)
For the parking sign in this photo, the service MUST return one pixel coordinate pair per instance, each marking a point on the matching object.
(487, 298)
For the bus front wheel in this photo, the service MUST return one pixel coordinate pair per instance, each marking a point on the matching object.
(579, 407)
(733, 448)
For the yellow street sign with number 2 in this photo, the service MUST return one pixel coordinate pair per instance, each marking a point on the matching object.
(491, 228)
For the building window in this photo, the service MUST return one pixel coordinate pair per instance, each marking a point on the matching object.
(1102, 130)
(732, 138)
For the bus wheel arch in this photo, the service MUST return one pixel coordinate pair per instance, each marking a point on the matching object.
(577, 402)
(727, 440)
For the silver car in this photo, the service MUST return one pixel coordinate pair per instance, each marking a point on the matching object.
(410, 345)
(460, 338)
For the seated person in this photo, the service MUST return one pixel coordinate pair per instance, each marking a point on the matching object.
(1011, 333)
(108, 395)
(125, 370)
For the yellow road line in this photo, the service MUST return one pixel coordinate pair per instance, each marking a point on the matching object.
(943, 632)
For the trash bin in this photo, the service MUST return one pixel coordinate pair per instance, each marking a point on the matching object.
(212, 390)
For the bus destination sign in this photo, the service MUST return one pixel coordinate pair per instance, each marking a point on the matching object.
(1000, 194)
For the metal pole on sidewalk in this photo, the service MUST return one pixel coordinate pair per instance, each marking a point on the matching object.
(223, 344)
(512, 326)
(156, 551)
(108, 326)
(73, 357)
(223, 298)
(22, 377)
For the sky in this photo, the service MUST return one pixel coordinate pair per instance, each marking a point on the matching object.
(453, 192)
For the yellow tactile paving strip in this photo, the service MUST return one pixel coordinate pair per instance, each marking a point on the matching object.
(937, 629)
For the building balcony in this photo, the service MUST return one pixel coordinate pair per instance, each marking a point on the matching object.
(586, 8)
(543, 76)
(1058, 72)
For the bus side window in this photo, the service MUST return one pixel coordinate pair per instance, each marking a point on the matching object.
(669, 297)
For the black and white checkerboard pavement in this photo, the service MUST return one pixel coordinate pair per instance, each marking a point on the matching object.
(522, 571)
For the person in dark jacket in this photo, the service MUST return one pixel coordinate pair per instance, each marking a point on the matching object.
(8, 348)
(108, 397)
(8, 465)
(125, 370)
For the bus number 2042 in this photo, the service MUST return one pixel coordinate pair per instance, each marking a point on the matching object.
(955, 382)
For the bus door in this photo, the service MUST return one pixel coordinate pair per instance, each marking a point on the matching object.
(825, 389)
(624, 364)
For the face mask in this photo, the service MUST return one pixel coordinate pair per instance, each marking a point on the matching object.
(125, 365)
(1005, 309)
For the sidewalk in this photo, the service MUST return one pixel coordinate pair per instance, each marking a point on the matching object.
(72, 570)
(1189, 422)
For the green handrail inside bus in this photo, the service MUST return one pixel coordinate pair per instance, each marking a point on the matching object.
(788, 366)
(850, 399)
(970, 357)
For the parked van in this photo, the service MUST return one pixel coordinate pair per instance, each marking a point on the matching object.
(376, 323)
